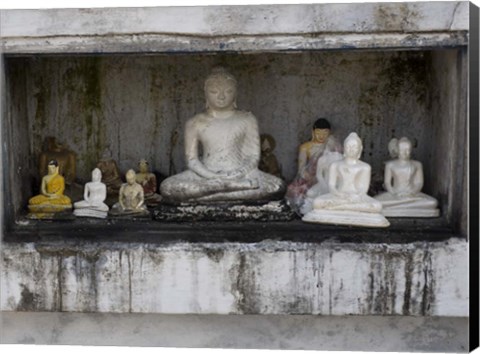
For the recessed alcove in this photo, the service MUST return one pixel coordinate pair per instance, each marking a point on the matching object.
(137, 106)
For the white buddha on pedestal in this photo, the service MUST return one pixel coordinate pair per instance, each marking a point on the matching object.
(94, 196)
(404, 182)
(347, 202)
(227, 169)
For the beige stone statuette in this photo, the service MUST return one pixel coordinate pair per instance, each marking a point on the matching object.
(227, 170)
(347, 202)
(130, 198)
(404, 182)
(95, 194)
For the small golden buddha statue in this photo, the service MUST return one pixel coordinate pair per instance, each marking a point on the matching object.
(51, 198)
(110, 173)
(268, 161)
(65, 158)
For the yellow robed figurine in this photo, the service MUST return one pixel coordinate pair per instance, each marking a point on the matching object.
(51, 200)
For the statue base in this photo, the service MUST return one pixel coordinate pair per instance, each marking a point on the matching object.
(89, 213)
(411, 213)
(268, 211)
(142, 214)
(64, 215)
(338, 217)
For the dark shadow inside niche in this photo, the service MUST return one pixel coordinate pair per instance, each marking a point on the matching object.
(137, 105)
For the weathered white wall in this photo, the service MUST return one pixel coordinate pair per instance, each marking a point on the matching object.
(214, 28)
(138, 105)
(270, 277)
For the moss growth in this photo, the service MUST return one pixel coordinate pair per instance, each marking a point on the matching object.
(405, 72)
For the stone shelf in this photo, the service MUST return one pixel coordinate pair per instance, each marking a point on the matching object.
(401, 231)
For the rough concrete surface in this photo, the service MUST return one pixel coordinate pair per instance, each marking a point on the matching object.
(358, 333)
(231, 20)
(243, 28)
(269, 277)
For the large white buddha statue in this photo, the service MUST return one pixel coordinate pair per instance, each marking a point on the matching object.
(227, 169)
(347, 202)
(404, 182)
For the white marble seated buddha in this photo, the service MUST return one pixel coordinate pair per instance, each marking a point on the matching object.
(227, 170)
(130, 198)
(404, 182)
(347, 202)
(95, 193)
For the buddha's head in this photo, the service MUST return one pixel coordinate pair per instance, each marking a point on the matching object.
(393, 148)
(320, 131)
(106, 154)
(130, 177)
(96, 175)
(267, 143)
(352, 146)
(404, 148)
(52, 167)
(143, 166)
(220, 90)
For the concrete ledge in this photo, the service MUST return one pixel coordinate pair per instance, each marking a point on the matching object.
(269, 277)
(233, 20)
(359, 333)
(171, 44)
(237, 28)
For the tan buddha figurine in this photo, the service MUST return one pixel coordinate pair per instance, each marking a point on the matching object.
(227, 170)
(130, 198)
(321, 144)
(65, 158)
(148, 181)
(51, 198)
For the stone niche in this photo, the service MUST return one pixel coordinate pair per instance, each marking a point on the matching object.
(382, 70)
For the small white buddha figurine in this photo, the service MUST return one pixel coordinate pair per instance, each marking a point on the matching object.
(227, 170)
(148, 181)
(95, 193)
(130, 198)
(347, 202)
(404, 182)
